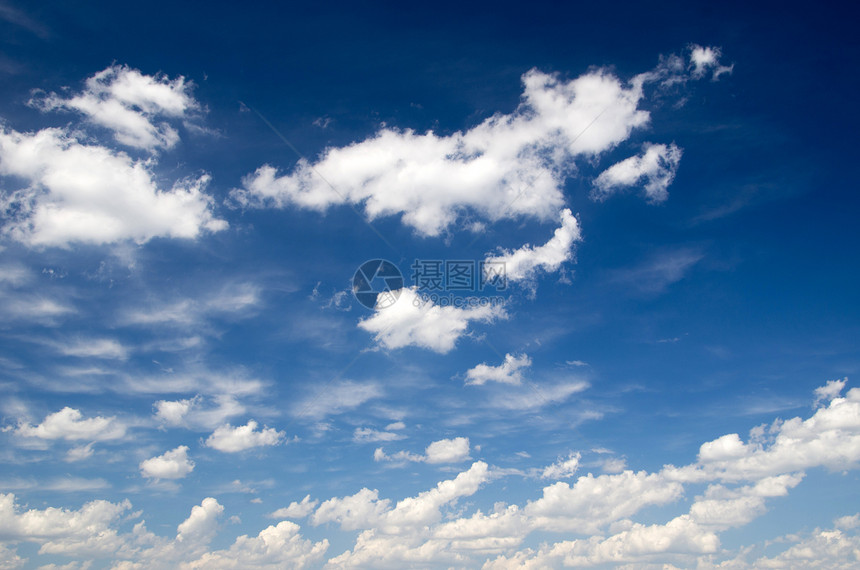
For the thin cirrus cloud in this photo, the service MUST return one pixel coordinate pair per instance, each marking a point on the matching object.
(657, 272)
(336, 398)
(369, 435)
(508, 166)
(295, 510)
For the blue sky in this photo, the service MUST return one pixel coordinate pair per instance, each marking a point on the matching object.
(665, 376)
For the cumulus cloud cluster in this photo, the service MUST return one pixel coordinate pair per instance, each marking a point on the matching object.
(77, 191)
(592, 516)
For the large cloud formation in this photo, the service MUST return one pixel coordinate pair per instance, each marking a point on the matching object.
(509, 165)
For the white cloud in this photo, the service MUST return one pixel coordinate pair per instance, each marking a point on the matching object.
(704, 59)
(232, 440)
(563, 468)
(278, 546)
(509, 372)
(295, 510)
(80, 193)
(92, 532)
(173, 464)
(656, 167)
(366, 510)
(592, 503)
(201, 524)
(830, 438)
(847, 522)
(507, 166)
(526, 261)
(826, 393)
(68, 424)
(822, 548)
(128, 103)
(85, 532)
(455, 450)
(198, 412)
(412, 321)
(510, 165)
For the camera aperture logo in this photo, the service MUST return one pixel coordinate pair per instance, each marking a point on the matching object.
(377, 284)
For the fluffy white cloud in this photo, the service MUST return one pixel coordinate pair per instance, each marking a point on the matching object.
(412, 321)
(231, 439)
(638, 544)
(563, 468)
(295, 510)
(822, 548)
(201, 524)
(84, 532)
(592, 502)
(278, 546)
(81, 193)
(830, 438)
(68, 424)
(526, 261)
(365, 509)
(455, 450)
(128, 103)
(656, 167)
(448, 450)
(173, 464)
(507, 166)
(91, 532)
(509, 372)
